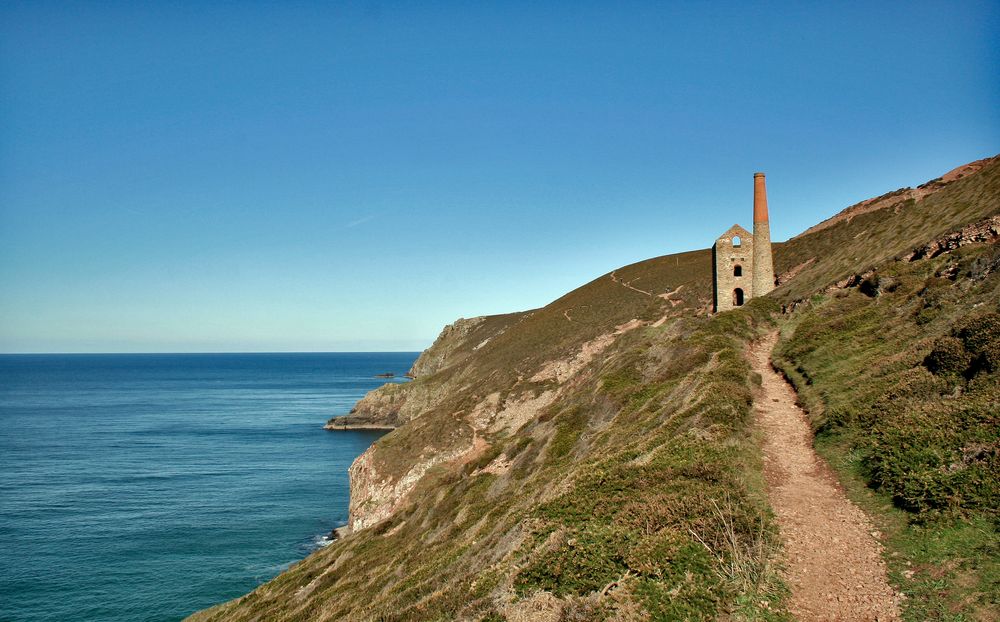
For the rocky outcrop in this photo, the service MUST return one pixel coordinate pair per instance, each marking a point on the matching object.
(461, 339)
(393, 404)
(379, 489)
(871, 283)
(987, 230)
(442, 351)
(384, 408)
(378, 486)
(375, 495)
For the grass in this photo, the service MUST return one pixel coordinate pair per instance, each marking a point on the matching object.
(638, 494)
(912, 423)
(876, 238)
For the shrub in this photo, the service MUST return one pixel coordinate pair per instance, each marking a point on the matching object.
(584, 561)
(949, 356)
(981, 337)
(569, 427)
(937, 458)
(871, 286)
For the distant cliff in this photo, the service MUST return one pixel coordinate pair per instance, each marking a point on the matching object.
(461, 339)
(393, 404)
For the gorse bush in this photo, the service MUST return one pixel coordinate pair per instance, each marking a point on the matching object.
(949, 356)
(923, 414)
(581, 561)
(981, 337)
(938, 456)
(971, 348)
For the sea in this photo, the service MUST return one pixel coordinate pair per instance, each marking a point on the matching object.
(149, 486)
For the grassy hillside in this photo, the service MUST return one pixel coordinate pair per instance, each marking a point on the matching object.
(903, 386)
(595, 459)
(502, 353)
(638, 492)
(856, 245)
(899, 372)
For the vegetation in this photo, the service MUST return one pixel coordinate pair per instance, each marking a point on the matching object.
(855, 246)
(636, 493)
(907, 403)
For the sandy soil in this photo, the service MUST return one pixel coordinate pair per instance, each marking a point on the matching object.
(834, 563)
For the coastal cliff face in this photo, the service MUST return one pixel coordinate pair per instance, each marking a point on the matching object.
(594, 459)
(459, 340)
(379, 485)
(393, 404)
(385, 408)
(461, 420)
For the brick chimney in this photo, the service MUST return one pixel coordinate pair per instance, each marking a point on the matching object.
(763, 267)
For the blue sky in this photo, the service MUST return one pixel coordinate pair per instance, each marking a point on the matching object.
(303, 176)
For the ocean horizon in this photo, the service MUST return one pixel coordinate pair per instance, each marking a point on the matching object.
(148, 486)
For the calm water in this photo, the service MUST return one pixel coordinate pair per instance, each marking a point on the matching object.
(145, 487)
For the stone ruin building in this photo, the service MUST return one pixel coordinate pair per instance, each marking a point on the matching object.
(741, 261)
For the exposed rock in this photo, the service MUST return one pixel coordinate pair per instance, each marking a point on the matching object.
(460, 339)
(520, 410)
(987, 230)
(872, 284)
(385, 408)
(451, 338)
(561, 370)
(375, 495)
(787, 276)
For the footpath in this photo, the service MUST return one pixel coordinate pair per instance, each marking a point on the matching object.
(833, 560)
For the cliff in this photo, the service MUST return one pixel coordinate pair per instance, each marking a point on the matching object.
(595, 459)
(489, 376)
(459, 340)
(393, 404)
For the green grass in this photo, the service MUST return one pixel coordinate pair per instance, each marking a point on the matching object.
(640, 491)
(876, 238)
(911, 421)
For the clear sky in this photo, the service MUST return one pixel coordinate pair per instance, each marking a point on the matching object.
(261, 176)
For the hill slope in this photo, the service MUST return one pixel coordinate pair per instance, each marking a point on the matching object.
(595, 458)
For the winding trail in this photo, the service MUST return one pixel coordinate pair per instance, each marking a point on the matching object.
(628, 284)
(833, 562)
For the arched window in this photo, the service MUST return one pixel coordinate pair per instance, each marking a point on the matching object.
(736, 240)
(738, 270)
(737, 297)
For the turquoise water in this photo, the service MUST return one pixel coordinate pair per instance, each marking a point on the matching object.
(146, 487)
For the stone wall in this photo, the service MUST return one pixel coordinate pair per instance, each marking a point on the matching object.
(725, 259)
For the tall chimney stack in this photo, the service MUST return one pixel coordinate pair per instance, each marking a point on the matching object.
(763, 267)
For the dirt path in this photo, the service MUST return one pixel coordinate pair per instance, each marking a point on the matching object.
(834, 564)
(628, 284)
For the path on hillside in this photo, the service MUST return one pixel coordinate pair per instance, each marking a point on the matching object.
(834, 563)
